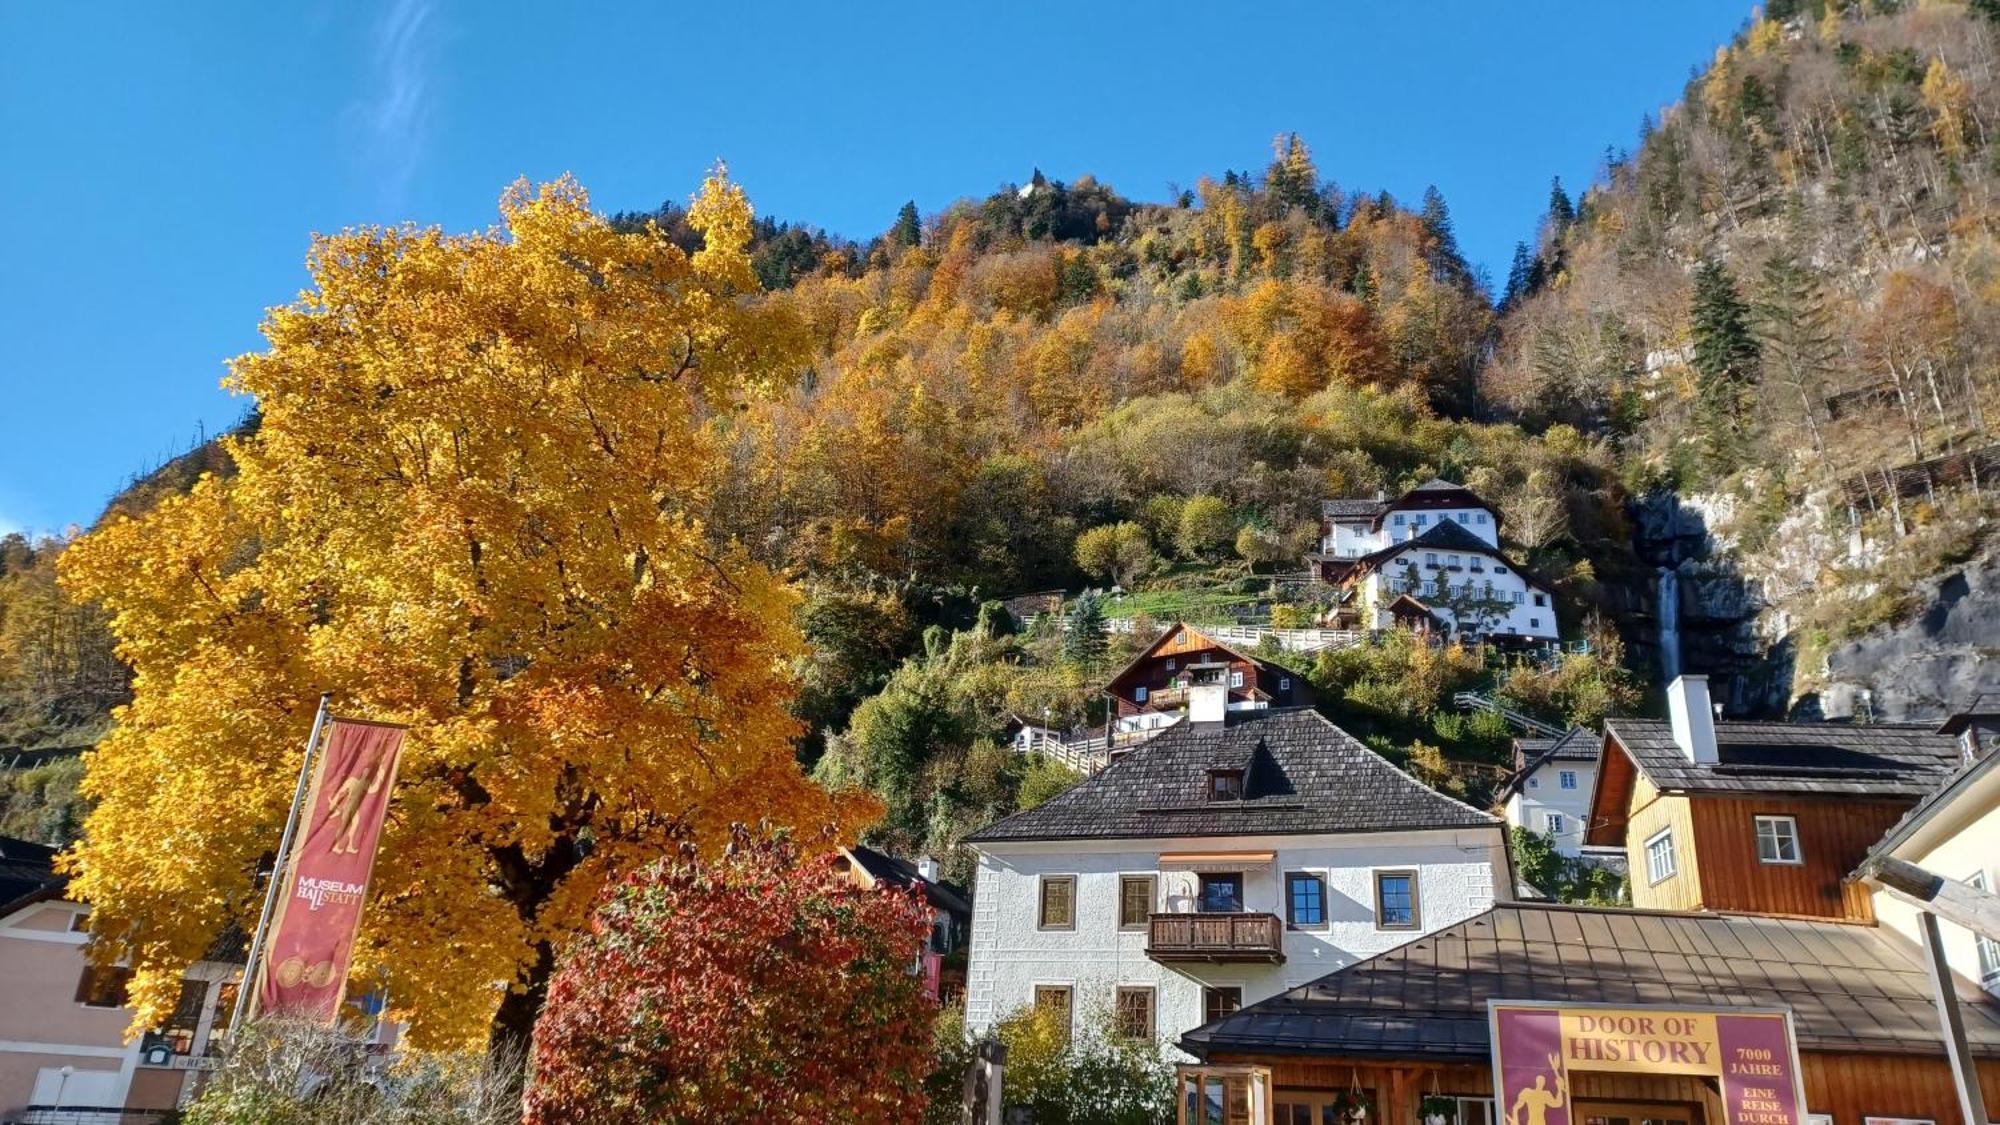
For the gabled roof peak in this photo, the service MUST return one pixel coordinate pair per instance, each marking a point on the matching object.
(1303, 776)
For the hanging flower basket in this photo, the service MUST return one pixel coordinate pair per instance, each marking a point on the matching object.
(1354, 1107)
(1437, 1109)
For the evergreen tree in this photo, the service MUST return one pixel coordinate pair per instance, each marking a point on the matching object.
(1441, 245)
(1292, 179)
(1519, 275)
(1085, 634)
(908, 230)
(1561, 211)
(1795, 329)
(1725, 358)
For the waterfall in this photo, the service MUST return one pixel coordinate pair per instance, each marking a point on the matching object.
(1670, 623)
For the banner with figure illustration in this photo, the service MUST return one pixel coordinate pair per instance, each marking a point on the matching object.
(303, 972)
(1539, 1047)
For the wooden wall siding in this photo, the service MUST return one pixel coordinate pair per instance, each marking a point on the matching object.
(1834, 836)
(1850, 1087)
(1684, 890)
(1615, 797)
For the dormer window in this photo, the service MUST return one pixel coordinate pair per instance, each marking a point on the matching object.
(1225, 785)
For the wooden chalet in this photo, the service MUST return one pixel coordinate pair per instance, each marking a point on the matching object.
(1156, 682)
(1761, 816)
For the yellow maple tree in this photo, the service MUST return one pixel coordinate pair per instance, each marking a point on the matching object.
(473, 503)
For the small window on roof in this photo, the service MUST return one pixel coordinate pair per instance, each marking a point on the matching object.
(1225, 785)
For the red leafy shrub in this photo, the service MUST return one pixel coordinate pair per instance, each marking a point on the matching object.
(754, 987)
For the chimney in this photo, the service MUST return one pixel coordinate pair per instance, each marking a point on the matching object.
(1208, 693)
(1693, 719)
(927, 869)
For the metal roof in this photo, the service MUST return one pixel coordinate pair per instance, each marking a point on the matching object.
(1850, 988)
(1302, 774)
(1842, 759)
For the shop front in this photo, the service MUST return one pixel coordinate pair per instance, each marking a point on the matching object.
(1631, 1018)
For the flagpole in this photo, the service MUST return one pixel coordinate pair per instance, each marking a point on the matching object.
(249, 982)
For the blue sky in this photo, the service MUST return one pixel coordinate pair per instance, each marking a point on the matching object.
(170, 161)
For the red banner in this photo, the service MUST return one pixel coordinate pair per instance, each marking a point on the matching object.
(303, 973)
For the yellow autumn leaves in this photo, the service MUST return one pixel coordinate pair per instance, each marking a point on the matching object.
(472, 503)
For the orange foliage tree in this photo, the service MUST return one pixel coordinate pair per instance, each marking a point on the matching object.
(474, 504)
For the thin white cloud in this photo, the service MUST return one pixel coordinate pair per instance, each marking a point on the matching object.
(394, 115)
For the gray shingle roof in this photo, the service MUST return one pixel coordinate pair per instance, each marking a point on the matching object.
(1577, 744)
(902, 873)
(1353, 508)
(1850, 988)
(1302, 774)
(1884, 759)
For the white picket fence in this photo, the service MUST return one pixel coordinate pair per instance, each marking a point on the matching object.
(1250, 636)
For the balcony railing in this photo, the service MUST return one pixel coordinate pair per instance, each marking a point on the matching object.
(1216, 937)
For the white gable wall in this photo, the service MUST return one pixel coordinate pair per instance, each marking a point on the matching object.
(1352, 538)
(1460, 873)
(1523, 619)
(1964, 847)
(1542, 794)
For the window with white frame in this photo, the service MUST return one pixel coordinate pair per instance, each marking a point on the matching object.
(1557, 823)
(1139, 694)
(1778, 840)
(1236, 677)
(1566, 779)
(1284, 683)
(1660, 865)
(1988, 949)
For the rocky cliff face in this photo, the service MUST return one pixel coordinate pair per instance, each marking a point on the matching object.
(1738, 603)
(1712, 610)
(1927, 667)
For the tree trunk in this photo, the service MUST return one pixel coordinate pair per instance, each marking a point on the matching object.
(514, 1023)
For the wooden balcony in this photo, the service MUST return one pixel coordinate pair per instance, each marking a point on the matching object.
(1216, 938)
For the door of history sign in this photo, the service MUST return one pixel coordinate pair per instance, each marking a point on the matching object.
(1537, 1047)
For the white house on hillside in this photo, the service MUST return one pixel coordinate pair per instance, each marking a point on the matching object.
(1235, 855)
(1550, 789)
(1430, 557)
(1354, 527)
